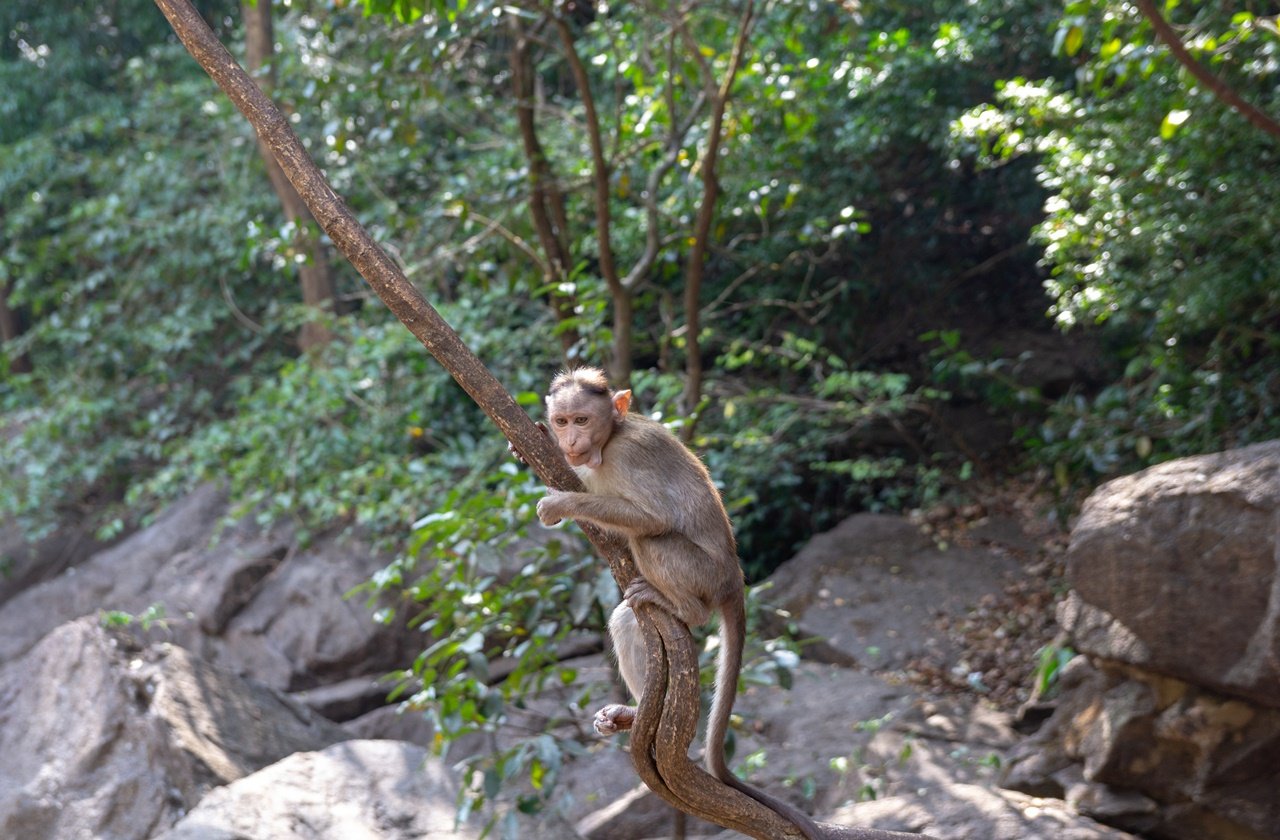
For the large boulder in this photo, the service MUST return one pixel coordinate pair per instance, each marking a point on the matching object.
(1157, 755)
(237, 594)
(1171, 722)
(24, 564)
(1187, 544)
(969, 812)
(373, 790)
(120, 577)
(105, 738)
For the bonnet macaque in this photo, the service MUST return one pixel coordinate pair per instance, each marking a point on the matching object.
(644, 484)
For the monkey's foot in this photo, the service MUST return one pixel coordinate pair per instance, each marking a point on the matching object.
(640, 591)
(613, 719)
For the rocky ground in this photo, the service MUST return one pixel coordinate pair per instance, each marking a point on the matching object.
(253, 710)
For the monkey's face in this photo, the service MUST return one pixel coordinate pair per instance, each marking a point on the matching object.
(583, 422)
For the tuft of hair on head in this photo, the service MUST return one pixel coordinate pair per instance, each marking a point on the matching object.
(590, 379)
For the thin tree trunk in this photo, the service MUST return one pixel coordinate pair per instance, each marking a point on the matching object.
(623, 306)
(314, 273)
(696, 267)
(10, 330)
(546, 201)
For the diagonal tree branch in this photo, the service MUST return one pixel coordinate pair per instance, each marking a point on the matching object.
(667, 718)
(378, 269)
(1216, 86)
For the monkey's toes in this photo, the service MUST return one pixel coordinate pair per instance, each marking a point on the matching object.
(640, 591)
(613, 719)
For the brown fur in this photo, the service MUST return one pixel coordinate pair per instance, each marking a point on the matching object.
(644, 484)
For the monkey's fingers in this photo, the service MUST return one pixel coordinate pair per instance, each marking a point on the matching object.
(613, 719)
(546, 511)
(511, 447)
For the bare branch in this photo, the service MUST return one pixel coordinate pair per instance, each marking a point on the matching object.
(674, 143)
(1216, 86)
(600, 169)
(546, 201)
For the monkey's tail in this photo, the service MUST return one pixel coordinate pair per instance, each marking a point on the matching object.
(733, 636)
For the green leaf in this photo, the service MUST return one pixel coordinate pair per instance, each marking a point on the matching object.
(1172, 121)
(1074, 40)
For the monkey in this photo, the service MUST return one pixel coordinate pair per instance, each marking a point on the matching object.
(641, 482)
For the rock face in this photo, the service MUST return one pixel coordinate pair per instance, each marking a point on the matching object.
(237, 595)
(969, 812)
(1158, 755)
(103, 738)
(373, 790)
(1172, 724)
(870, 587)
(1190, 541)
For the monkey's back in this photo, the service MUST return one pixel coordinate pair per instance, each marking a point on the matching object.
(645, 463)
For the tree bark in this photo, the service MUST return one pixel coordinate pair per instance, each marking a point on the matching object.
(668, 713)
(314, 273)
(623, 305)
(1216, 86)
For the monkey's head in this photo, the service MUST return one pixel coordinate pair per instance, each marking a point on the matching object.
(583, 413)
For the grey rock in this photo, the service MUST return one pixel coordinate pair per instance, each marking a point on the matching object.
(870, 590)
(970, 812)
(121, 577)
(236, 594)
(107, 739)
(1209, 764)
(371, 790)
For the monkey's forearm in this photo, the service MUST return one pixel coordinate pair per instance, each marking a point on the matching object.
(610, 512)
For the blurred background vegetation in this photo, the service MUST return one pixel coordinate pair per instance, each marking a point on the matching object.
(861, 255)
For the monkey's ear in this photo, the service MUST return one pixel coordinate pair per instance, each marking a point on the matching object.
(621, 401)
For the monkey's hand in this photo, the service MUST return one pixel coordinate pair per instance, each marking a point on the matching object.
(613, 719)
(511, 447)
(554, 506)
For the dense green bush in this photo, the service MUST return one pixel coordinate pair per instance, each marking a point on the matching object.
(133, 271)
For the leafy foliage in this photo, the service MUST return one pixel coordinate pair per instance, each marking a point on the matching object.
(1154, 227)
(128, 357)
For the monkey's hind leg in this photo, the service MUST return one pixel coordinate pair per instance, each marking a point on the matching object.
(614, 718)
(628, 646)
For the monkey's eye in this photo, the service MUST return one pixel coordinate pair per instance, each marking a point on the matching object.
(581, 421)
(560, 421)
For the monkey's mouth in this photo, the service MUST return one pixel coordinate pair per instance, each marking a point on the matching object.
(587, 459)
